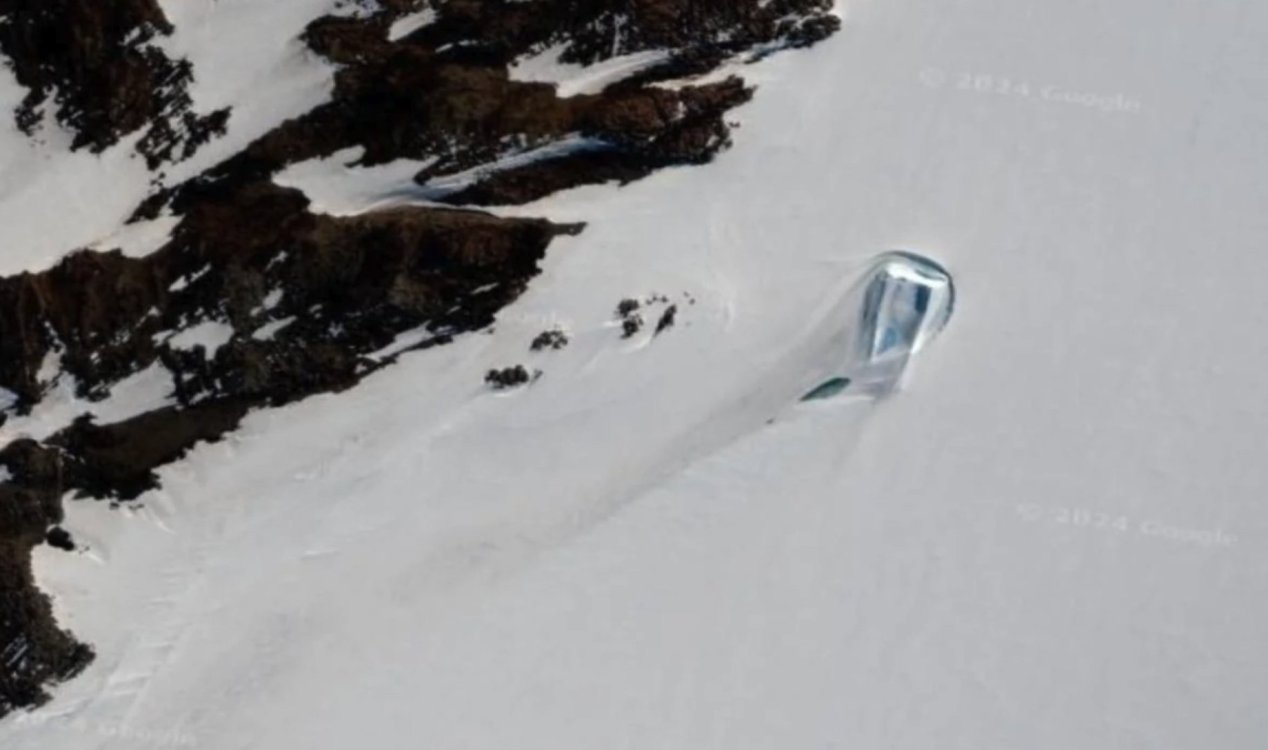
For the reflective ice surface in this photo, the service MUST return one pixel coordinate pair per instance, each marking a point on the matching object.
(907, 301)
(903, 301)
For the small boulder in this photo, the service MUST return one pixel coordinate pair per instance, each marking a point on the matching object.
(667, 319)
(552, 339)
(60, 538)
(510, 377)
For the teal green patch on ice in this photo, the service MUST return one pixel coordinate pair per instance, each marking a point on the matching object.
(827, 389)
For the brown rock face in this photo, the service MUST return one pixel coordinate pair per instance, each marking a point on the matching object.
(303, 300)
(34, 652)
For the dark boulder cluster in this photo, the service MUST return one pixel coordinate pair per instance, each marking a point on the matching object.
(305, 302)
(627, 312)
(631, 312)
(551, 339)
(510, 377)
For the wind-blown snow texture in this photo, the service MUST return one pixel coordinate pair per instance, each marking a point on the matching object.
(1054, 538)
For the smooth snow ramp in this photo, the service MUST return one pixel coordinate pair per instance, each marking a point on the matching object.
(862, 340)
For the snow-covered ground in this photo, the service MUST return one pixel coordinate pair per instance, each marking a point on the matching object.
(1053, 538)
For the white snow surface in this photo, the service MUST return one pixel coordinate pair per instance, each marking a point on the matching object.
(1053, 538)
(411, 22)
(209, 334)
(247, 55)
(141, 238)
(572, 79)
(144, 391)
(52, 200)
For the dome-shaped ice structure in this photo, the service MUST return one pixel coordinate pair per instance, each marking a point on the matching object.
(904, 300)
(907, 301)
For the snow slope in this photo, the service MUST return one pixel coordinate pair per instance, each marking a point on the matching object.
(626, 555)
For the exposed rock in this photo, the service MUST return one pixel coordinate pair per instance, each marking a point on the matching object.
(59, 538)
(352, 285)
(425, 96)
(510, 377)
(631, 325)
(629, 317)
(667, 319)
(34, 652)
(552, 339)
(627, 307)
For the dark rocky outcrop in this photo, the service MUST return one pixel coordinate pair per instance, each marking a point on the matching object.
(34, 652)
(59, 538)
(667, 319)
(627, 313)
(351, 285)
(94, 63)
(509, 377)
(304, 302)
(554, 338)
